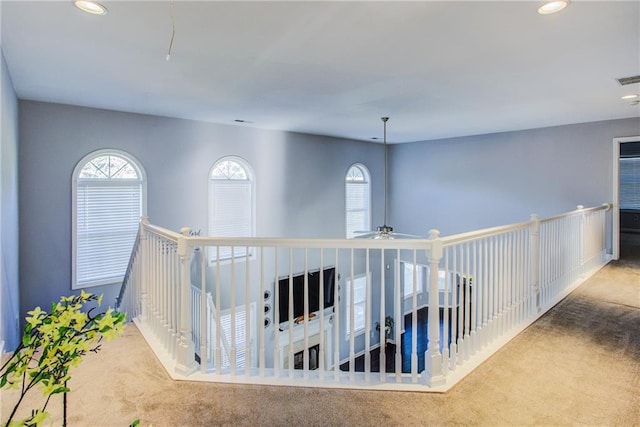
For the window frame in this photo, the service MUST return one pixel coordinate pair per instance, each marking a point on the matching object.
(350, 234)
(361, 329)
(75, 181)
(422, 272)
(248, 170)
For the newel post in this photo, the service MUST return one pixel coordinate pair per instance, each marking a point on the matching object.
(433, 358)
(144, 269)
(535, 259)
(185, 363)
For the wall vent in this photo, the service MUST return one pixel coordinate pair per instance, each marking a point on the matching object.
(628, 80)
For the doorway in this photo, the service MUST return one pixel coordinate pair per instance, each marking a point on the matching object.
(626, 197)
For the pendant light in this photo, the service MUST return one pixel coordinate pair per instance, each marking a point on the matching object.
(384, 232)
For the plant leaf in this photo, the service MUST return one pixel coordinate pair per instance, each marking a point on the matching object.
(61, 390)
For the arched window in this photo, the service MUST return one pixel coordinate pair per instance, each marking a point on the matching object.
(358, 200)
(109, 197)
(231, 209)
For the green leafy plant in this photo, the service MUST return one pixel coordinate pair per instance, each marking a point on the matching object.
(51, 344)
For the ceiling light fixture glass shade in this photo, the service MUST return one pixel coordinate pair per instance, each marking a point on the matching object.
(384, 232)
(630, 96)
(92, 7)
(552, 7)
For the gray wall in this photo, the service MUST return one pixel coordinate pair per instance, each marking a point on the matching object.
(9, 292)
(454, 185)
(300, 180)
(462, 184)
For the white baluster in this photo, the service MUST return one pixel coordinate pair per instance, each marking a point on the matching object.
(454, 308)
(446, 355)
(144, 271)
(414, 320)
(398, 318)
(535, 260)
(351, 309)
(248, 319)
(261, 317)
(276, 317)
(305, 350)
(232, 310)
(382, 341)
(367, 321)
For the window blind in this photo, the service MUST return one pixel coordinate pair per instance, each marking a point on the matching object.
(357, 207)
(107, 216)
(231, 214)
(630, 183)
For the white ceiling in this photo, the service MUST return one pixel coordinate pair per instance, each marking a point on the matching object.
(438, 69)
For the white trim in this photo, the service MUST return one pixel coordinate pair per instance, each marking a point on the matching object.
(615, 223)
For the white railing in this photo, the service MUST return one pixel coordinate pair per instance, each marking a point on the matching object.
(453, 300)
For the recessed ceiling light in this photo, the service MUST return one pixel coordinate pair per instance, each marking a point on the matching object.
(634, 96)
(91, 7)
(552, 7)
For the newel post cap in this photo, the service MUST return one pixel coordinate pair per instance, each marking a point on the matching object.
(434, 250)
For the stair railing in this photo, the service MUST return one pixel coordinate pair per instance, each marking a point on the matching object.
(479, 290)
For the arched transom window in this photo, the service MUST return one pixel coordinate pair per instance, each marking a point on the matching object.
(108, 201)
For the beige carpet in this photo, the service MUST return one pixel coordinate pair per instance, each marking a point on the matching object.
(578, 365)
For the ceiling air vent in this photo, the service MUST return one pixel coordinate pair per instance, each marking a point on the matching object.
(629, 80)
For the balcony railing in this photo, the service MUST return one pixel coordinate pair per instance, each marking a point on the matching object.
(409, 314)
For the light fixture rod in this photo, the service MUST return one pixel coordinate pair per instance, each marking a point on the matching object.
(173, 32)
(384, 171)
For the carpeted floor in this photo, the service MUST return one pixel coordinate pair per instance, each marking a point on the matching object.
(578, 365)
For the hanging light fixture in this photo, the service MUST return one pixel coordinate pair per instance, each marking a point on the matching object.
(384, 231)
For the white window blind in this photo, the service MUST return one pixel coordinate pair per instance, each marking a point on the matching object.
(231, 210)
(359, 304)
(358, 201)
(630, 183)
(108, 206)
